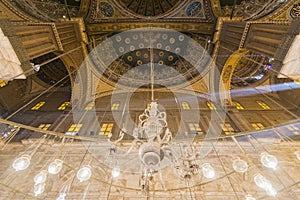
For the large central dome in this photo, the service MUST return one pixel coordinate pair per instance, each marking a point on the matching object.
(149, 7)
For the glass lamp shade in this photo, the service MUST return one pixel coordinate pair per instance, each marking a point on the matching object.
(115, 172)
(249, 197)
(39, 189)
(55, 166)
(84, 173)
(261, 181)
(21, 163)
(239, 165)
(271, 191)
(208, 171)
(61, 196)
(268, 160)
(40, 177)
(298, 154)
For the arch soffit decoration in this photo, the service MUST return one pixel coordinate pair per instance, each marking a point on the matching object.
(170, 12)
(21, 14)
(120, 12)
(227, 72)
(69, 64)
(282, 13)
(216, 8)
(84, 9)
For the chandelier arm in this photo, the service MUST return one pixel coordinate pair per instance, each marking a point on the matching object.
(38, 145)
(134, 143)
(7, 140)
(173, 156)
(121, 136)
(167, 137)
(159, 140)
(152, 70)
(161, 180)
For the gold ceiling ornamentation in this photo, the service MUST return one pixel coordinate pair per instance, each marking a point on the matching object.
(17, 11)
(295, 10)
(188, 10)
(196, 27)
(283, 13)
(150, 8)
(228, 70)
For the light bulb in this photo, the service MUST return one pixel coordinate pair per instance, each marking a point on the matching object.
(271, 191)
(268, 160)
(298, 154)
(40, 177)
(208, 171)
(21, 163)
(261, 181)
(39, 189)
(84, 173)
(115, 172)
(61, 196)
(55, 166)
(239, 165)
(249, 197)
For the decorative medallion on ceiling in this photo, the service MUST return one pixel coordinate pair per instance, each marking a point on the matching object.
(194, 9)
(149, 7)
(105, 9)
(295, 11)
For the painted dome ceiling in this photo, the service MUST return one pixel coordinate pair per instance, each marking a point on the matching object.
(128, 56)
(149, 7)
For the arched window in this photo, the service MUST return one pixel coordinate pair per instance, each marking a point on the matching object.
(185, 106)
(115, 106)
(210, 105)
(195, 128)
(106, 128)
(3, 83)
(38, 105)
(257, 126)
(90, 106)
(263, 105)
(227, 129)
(148, 106)
(238, 105)
(74, 129)
(44, 126)
(64, 105)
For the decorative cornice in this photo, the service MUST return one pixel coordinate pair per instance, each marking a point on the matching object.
(18, 12)
(204, 28)
(244, 36)
(278, 12)
(53, 26)
(82, 30)
(84, 8)
(57, 38)
(216, 7)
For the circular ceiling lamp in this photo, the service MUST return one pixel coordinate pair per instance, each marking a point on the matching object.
(21, 163)
(55, 166)
(84, 173)
(239, 165)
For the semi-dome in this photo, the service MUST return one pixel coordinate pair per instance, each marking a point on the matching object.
(149, 7)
